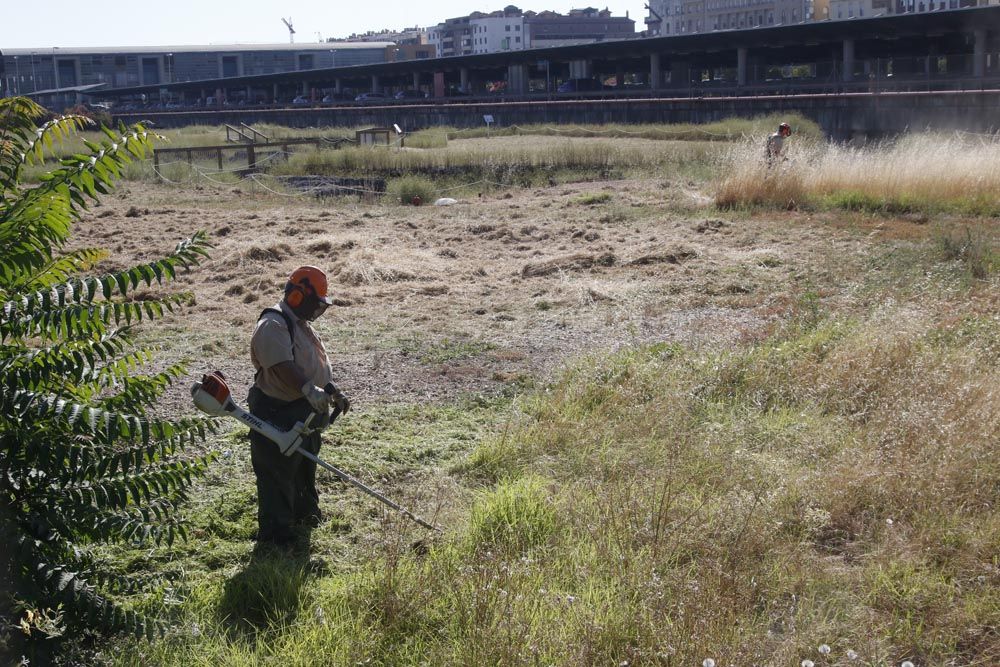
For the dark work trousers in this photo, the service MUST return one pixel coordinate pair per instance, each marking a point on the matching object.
(286, 485)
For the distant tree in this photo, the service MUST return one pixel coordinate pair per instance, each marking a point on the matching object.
(81, 461)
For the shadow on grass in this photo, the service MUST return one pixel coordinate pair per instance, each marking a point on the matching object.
(266, 593)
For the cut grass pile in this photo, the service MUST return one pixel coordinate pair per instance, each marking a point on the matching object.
(918, 173)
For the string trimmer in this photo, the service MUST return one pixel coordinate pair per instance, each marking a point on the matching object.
(212, 395)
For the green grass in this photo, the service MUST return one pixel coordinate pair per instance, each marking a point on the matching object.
(809, 469)
(593, 199)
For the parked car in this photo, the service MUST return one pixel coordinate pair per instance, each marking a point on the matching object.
(300, 100)
(579, 86)
(410, 95)
(370, 97)
(344, 96)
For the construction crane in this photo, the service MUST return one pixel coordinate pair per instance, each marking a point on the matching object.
(291, 30)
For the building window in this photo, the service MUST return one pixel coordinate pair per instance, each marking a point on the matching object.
(517, 39)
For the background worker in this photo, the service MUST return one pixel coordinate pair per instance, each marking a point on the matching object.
(776, 143)
(292, 368)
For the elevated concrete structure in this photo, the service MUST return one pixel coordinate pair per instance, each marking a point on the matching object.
(842, 115)
(945, 46)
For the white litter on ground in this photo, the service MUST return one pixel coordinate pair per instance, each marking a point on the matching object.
(445, 201)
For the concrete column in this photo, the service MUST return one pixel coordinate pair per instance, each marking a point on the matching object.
(848, 64)
(464, 79)
(619, 77)
(375, 84)
(741, 66)
(655, 73)
(517, 79)
(305, 88)
(416, 80)
(979, 54)
(338, 86)
(249, 95)
(580, 69)
(274, 92)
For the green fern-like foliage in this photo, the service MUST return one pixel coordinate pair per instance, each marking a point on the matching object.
(82, 460)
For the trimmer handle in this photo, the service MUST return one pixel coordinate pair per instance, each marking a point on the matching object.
(331, 389)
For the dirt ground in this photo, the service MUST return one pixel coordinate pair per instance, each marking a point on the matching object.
(499, 289)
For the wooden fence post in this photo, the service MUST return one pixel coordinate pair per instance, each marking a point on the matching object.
(218, 154)
(251, 158)
(156, 163)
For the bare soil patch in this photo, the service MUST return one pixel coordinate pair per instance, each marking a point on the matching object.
(500, 288)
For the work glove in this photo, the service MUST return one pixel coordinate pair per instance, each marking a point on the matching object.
(318, 399)
(337, 397)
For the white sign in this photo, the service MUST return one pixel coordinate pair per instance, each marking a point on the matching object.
(488, 118)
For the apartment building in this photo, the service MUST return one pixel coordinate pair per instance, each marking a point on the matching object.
(680, 17)
(498, 32)
(511, 29)
(578, 26)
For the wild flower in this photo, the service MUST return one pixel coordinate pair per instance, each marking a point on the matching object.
(708, 662)
(824, 649)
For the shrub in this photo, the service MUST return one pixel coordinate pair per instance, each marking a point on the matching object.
(81, 461)
(409, 188)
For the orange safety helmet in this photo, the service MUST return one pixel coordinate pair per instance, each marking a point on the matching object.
(307, 287)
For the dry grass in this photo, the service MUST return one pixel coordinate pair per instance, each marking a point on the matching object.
(922, 172)
(729, 129)
(515, 160)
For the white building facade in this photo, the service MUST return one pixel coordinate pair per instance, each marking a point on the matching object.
(492, 34)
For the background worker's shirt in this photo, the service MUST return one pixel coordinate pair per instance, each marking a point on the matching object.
(775, 143)
(271, 344)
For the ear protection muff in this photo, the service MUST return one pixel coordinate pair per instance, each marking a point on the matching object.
(297, 294)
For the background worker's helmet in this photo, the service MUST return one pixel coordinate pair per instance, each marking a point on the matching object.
(784, 129)
(306, 292)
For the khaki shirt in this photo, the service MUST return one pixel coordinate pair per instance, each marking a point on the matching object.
(775, 145)
(271, 344)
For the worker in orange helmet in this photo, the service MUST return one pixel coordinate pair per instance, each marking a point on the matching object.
(293, 380)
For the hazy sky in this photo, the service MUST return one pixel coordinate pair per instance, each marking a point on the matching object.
(68, 24)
